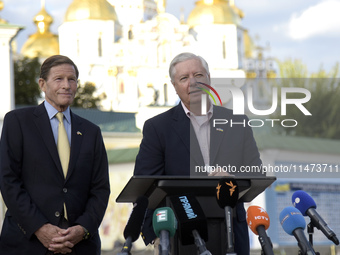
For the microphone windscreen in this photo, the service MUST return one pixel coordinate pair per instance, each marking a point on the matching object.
(134, 224)
(164, 219)
(291, 219)
(227, 193)
(257, 216)
(302, 201)
(190, 216)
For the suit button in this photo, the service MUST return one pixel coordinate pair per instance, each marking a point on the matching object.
(57, 214)
(65, 190)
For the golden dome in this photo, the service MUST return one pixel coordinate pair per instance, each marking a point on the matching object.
(213, 12)
(249, 45)
(90, 9)
(2, 21)
(43, 43)
(238, 11)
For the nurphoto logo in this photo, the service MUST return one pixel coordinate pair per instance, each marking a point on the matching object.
(239, 102)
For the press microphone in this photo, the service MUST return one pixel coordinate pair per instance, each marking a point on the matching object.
(306, 205)
(192, 223)
(164, 225)
(227, 197)
(134, 224)
(293, 223)
(258, 221)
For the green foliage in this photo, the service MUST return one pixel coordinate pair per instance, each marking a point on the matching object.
(292, 69)
(324, 104)
(85, 96)
(26, 75)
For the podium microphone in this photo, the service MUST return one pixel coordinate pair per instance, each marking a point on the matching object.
(258, 221)
(227, 196)
(306, 205)
(293, 223)
(192, 224)
(134, 224)
(164, 225)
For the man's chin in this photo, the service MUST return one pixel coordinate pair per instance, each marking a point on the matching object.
(195, 105)
(66, 103)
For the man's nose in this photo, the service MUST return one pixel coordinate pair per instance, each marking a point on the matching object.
(66, 83)
(193, 81)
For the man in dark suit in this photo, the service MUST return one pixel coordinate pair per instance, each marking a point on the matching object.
(182, 141)
(55, 205)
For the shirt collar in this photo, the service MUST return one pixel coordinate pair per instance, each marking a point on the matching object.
(51, 111)
(187, 112)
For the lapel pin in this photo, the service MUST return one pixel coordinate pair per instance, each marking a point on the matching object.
(79, 133)
(219, 129)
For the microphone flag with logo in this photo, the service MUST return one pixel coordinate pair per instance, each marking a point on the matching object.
(227, 197)
(164, 219)
(294, 224)
(164, 225)
(258, 221)
(227, 193)
(307, 206)
(190, 217)
(257, 216)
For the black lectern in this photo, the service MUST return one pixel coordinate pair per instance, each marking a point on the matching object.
(159, 188)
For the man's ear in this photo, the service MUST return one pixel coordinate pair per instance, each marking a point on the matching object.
(173, 84)
(42, 84)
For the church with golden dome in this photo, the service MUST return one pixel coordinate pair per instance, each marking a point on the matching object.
(43, 43)
(124, 47)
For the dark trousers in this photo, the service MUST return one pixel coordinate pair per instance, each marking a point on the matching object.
(62, 224)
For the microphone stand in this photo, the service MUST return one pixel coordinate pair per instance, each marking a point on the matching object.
(228, 213)
(126, 247)
(164, 244)
(310, 231)
(200, 244)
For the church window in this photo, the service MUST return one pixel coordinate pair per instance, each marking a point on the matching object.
(224, 54)
(100, 50)
(121, 87)
(78, 47)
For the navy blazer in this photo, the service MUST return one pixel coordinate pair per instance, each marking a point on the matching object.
(33, 185)
(170, 147)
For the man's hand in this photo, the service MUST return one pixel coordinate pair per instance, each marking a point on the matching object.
(66, 239)
(46, 233)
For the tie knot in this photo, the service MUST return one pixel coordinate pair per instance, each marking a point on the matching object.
(60, 116)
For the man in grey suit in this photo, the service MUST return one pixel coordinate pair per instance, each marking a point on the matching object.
(182, 141)
(56, 194)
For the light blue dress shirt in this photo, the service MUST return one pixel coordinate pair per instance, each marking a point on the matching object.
(51, 111)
